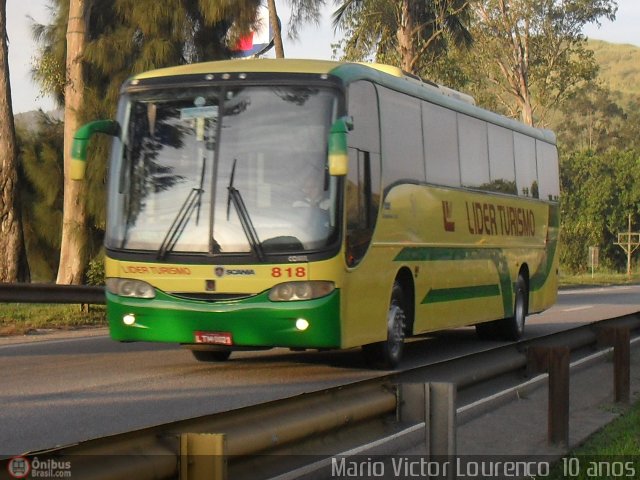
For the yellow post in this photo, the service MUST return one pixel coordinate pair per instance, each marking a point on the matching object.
(203, 456)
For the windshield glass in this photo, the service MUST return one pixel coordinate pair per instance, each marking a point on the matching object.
(172, 188)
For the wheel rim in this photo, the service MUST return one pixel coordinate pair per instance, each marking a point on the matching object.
(519, 310)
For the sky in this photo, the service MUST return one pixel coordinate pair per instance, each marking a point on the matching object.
(314, 42)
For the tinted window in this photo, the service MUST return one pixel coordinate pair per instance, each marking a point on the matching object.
(548, 171)
(440, 132)
(501, 163)
(363, 107)
(363, 178)
(526, 172)
(474, 161)
(401, 137)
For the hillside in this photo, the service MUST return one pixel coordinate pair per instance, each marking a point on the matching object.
(29, 120)
(619, 68)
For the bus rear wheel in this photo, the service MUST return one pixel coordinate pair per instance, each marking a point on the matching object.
(511, 328)
(211, 355)
(387, 354)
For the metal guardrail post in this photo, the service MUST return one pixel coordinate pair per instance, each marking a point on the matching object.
(434, 404)
(414, 407)
(620, 339)
(203, 456)
(441, 404)
(555, 362)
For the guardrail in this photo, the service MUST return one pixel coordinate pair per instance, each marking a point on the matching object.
(51, 293)
(205, 447)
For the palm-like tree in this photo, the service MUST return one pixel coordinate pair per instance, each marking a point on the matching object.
(402, 31)
(302, 11)
(41, 146)
(89, 49)
(275, 26)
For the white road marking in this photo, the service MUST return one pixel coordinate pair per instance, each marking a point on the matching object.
(575, 309)
(594, 290)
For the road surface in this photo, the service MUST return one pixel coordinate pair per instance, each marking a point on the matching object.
(58, 392)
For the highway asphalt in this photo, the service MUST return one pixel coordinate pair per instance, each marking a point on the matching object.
(59, 389)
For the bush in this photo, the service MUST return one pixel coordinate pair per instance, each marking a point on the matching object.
(95, 271)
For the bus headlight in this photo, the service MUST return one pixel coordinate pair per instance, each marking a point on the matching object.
(292, 291)
(127, 287)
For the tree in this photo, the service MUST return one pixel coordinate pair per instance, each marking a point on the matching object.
(591, 120)
(73, 246)
(13, 266)
(275, 25)
(599, 192)
(89, 49)
(41, 142)
(401, 32)
(532, 52)
(302, 11)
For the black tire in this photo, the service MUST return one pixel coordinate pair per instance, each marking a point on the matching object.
(387, 354)
(511, 328)
(211, 355)
(487, 330)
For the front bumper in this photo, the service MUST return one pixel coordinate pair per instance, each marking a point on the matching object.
(252, 322)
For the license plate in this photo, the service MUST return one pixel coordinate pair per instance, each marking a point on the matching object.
(214, 338)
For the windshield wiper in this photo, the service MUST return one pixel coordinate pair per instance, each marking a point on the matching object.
(245, 219)
(191, 203)
(180, 222)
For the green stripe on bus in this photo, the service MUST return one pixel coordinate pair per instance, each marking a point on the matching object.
(430, 254)
(461, 293)
(537, 280)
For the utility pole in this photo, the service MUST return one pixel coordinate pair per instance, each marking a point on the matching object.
(629, 242)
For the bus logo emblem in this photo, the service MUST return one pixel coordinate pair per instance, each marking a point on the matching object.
(219, 271)
(447, 216)
(19, 467)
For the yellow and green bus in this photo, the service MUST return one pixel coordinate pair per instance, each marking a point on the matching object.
(320, 205)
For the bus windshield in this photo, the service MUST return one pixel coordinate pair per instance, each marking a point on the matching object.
(224, 170)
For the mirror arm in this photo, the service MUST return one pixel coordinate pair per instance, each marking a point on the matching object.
(81, 142)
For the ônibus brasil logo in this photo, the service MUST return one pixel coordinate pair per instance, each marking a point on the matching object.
(19, 467)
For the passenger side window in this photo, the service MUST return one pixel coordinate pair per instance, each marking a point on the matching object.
(363, 178)
(548, 174)
(474, 161)
(440, 132)
(501, 162)
(401, 120)
(526, 172)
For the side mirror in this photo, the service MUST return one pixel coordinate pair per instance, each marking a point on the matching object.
(81, 141)
(338, 153)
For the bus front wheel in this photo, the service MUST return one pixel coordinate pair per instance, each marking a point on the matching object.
(211, 355)
(387, 354)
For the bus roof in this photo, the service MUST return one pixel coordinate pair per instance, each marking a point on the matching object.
(385, 75)
(262, 65)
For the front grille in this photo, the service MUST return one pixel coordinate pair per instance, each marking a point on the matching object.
(210, 297)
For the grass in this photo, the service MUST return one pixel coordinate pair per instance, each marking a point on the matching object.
(599, 279)
(21, 318)
(614, 452)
